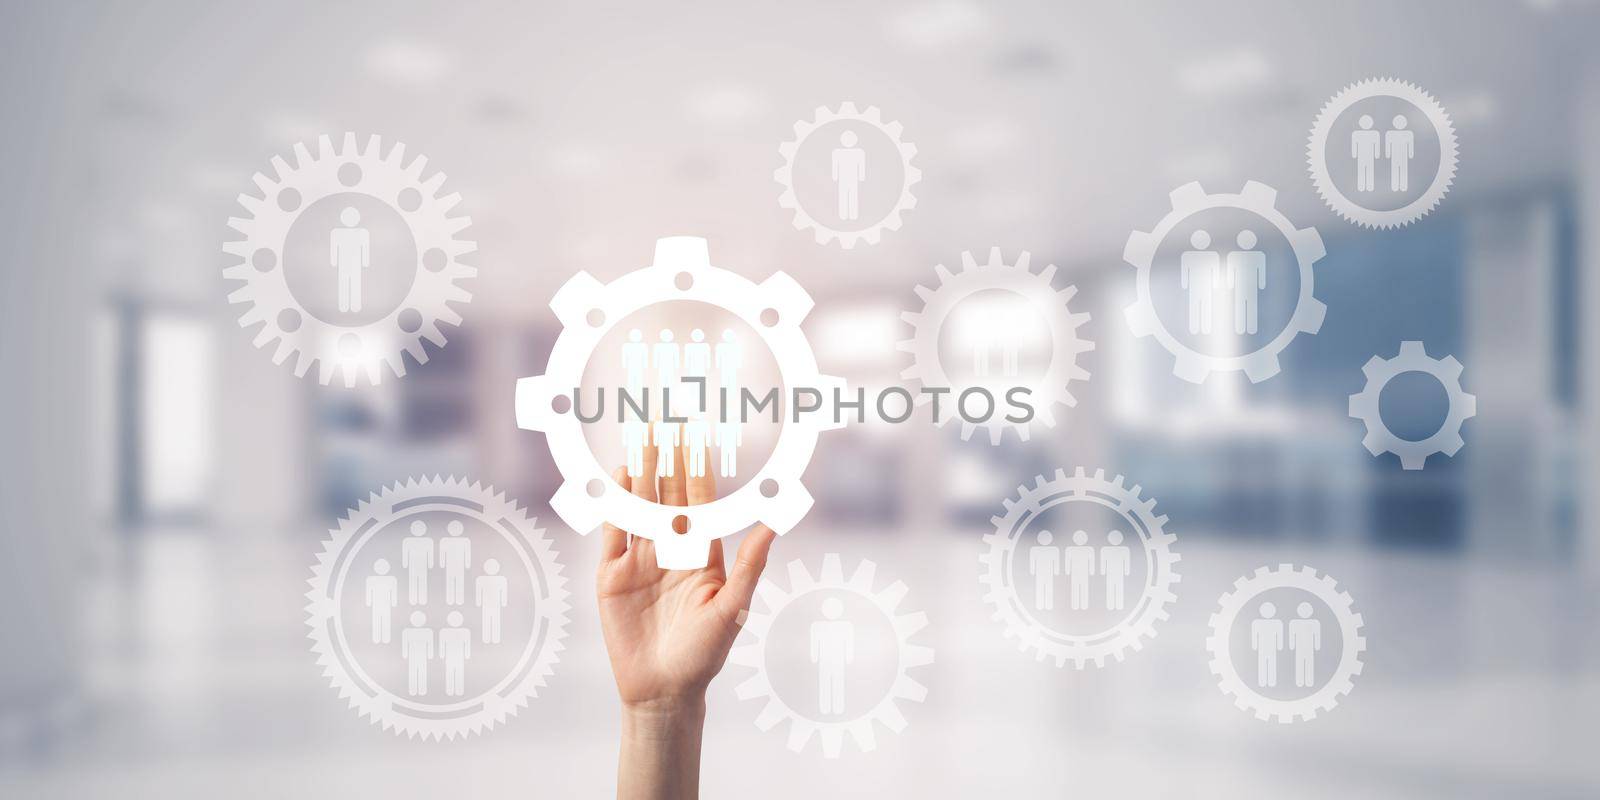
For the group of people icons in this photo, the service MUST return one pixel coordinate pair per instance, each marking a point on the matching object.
(1303, 640)
(1368, 146)
(1205, 273)
(420, 643)
(714, 370)
(1079, 563)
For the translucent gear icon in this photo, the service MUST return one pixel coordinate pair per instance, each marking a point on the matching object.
(458, 717)
(1262, 363)
(588, 309)
(1365, 405)
(1352, 644)
(886, 711)
(1343, 205)
(1052, 305)
(358, 348)
(785, 175)
(1033, 634)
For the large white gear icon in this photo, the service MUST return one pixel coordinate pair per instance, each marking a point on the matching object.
(472, 713)
(1052, 305)
(1192, 365)
(1033, 634)
(886, 711)
(1351, 643)
(588, 309)
(349, 348)
(1413, 357)
(785, 175)
(1317, 148)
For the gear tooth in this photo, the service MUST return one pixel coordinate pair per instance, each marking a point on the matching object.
(1192, 369)
(1140, 251)
(302, 154)
(1468, 405)
(1451, 445)
(846, 109)
(1263, 366)
(1025, 261)
(1311, 315)
(1413, 350)
(994, 435)
(1373, 368)
(396, 156)
(996, 259)
(1307, 245)
(347, 148)
(1450, 368)
(416, 167)
(968, 264)
(923, 293)
(1187, 197)
(1141, 319)
(1258, 194)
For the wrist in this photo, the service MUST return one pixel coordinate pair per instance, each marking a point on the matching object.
(664, 712)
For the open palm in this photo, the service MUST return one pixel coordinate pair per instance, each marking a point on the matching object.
(668, 632)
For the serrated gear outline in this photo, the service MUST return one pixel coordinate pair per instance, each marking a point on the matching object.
(1151, 607)
(1051, 388)
(496, 512)
(785, 175)
(1262, 363)
(860, 728)
(266, 291)
(1365, 405)
(1351, 643)
(573, 304)
(1322, 177)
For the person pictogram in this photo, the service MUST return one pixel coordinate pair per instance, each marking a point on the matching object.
(1266, 638)
(417, 646)
(491, 593)
(1116, 564)
(1044, 564)
(455, 648)
(1364, 147)
(417, 557)
(350, 252)
(1305, 639)
(849, 170)
(1199, 271)
(833, 648)
(383, 594)
(455, 555)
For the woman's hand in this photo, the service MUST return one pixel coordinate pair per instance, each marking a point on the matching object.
(668, 633)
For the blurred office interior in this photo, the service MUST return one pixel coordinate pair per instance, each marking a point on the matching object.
(166, 485)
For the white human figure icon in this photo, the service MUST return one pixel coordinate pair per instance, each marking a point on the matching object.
(849, 170)
(1399, 146)
(350, 252)
(455, 556)
(1266, 638)
(1044, 564)
(1247, 277)
(1116, 564)
(635, 360)
(729, 357)
(416, 645)
(697, 364)
(833, 647)
(982, 347)
(383, 594)
(729, 435)
(1079, 569)
(1002, 324)
(455, 647)
(635, 435)
(492, 595)
(667, 436)
(1305, 639)
(417, 557)
(696, 438)
(1364, 146)
(1199, 270)
(666, 360)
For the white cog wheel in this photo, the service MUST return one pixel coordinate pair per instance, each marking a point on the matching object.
(1343, 205)
(472, 713)
(1413, 357)
(361, 348)
(1000, 588)
(785, 175)
(588, 309)
(832, 732)
(1193, 365)
(1352, 644)
(1048, 390)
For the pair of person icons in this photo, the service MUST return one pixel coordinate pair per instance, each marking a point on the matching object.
(1079, 563)
(419, 554)
(1205, 272)
(1368, 146)
(1302, 637)
(420, 645)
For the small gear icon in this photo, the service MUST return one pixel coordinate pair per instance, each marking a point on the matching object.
(1413, 357)
(461, 716)
(588, 309)
(1351, 643)
(1343, 205)
(886, 711)
(1020, 622)
(359, 348)
(1049, 389)
(785, 175)
(1192, 365)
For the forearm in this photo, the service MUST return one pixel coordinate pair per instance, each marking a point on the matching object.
(660, 757)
